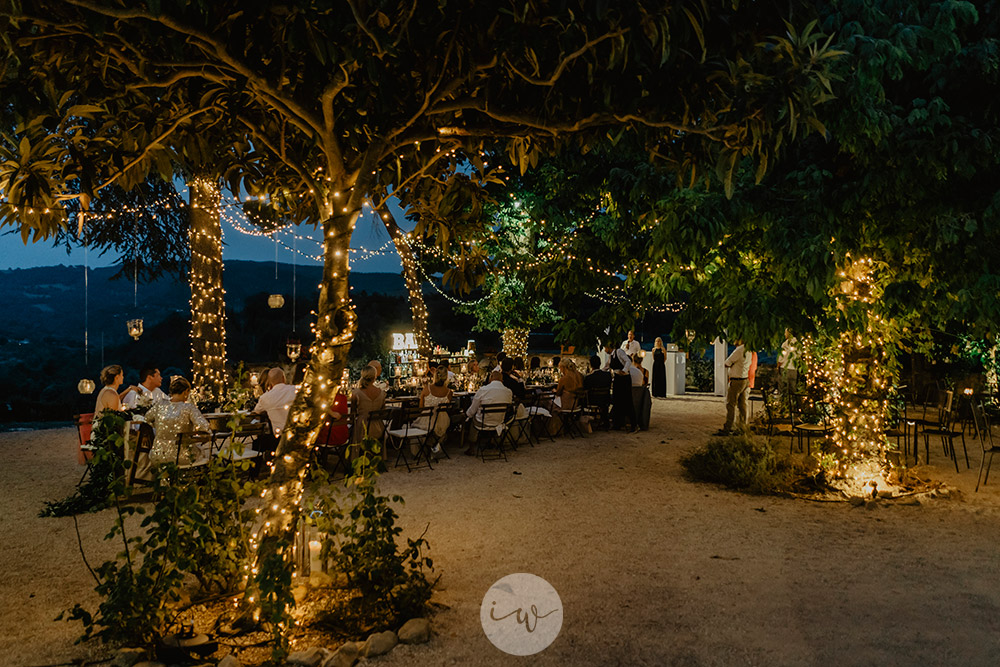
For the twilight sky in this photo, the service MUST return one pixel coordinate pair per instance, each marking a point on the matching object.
(369, 234)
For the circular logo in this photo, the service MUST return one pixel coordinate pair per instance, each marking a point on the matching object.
(521, 614)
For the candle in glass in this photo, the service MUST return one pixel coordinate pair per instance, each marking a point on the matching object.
(314, 563)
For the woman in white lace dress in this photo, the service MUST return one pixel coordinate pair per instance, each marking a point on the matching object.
(171, 418)
(434, 395)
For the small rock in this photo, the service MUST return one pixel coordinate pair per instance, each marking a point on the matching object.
(149, 663)
(230, 661)
(300, 593)
(856, 501)
(320, 580)
(345, 656)
(311, 657)
(415, 631)
(379, 643)
(127, 657)
(871, 505)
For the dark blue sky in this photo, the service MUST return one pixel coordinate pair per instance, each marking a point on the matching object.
(369, 234)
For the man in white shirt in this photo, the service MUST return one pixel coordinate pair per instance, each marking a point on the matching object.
(494, 392)
(737, 370)
(147, 391)
(631, 345)
(277, 400)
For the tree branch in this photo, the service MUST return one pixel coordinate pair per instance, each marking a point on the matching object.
(551, 81)
(364, 27)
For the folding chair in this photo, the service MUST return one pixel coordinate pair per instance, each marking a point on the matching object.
(569, 416)
(409, 433)
(84, 427)
(775, 424)
(541, 414)
(199, 445)
(142, 435)
(328, 442)
(490, 425)
(598, 403)
(520, 426)
(985, 435)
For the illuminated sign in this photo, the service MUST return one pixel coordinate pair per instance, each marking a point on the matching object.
(404, 341)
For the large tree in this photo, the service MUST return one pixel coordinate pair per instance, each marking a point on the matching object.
(357, 98)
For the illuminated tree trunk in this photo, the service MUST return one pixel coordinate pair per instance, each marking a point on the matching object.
(515, 343)
(418, 308)
(334, 331)
(208, 301)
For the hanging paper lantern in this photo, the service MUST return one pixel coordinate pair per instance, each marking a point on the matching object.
(276, 301)
(135, 328)
(293, 348)
(85, 386)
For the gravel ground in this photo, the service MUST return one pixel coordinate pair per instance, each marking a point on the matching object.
(651, 568)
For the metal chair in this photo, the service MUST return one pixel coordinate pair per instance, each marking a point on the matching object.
(490, 425)
(569, 415)
(408, 433)
(806, 429)
(541, 414)
(597, 405)
(947, 429)
(985, 435)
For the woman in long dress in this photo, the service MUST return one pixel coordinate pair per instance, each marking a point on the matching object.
(171, 417)
(366, 398)
(659, 369)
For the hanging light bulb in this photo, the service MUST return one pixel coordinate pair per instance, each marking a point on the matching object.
(276, 301)
(293, 349)
(86, 386)
(135, 328)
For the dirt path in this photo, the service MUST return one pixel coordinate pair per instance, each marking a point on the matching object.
(651, 569)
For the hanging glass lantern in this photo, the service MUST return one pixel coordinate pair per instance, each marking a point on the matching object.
(135, 328)
(293, 349)
(85, 386)
(276, 301)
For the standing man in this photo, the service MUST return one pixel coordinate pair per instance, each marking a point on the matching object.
(737, 370)
(788, 364)
(630, 344)
(148, 390)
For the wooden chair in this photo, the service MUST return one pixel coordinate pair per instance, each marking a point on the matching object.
(84, 448)
(776, 424)
(141, 434)
(327, 444)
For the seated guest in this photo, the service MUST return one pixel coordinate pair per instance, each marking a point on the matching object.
(436, 394)
(447, 367)
(515, 385)
(489, 394)
(598, 378)
(501, 355)
(109, 398)
(365, 398)
(170, 419)
(518, 371)
(148, 390)
(377, 365)
(276, 402)
(637, 363)
(570, 381)
(535, 364)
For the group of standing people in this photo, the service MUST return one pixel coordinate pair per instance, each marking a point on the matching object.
(741, 371)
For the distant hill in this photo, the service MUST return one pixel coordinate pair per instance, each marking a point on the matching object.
(45, 305)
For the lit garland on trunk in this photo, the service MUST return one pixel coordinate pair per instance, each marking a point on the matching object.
(515, 343)
(208, 298)
(417, 306)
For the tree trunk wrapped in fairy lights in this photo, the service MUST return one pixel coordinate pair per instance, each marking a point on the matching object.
(208, 298)
(854, 369)
(515, 343)
(418, 308)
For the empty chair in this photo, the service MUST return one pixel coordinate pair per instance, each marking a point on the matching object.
(410, 435)
(985, 435)
(947, 429)
(490, 426)
(807, 429)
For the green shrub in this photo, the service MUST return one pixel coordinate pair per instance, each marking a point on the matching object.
(740, 462)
